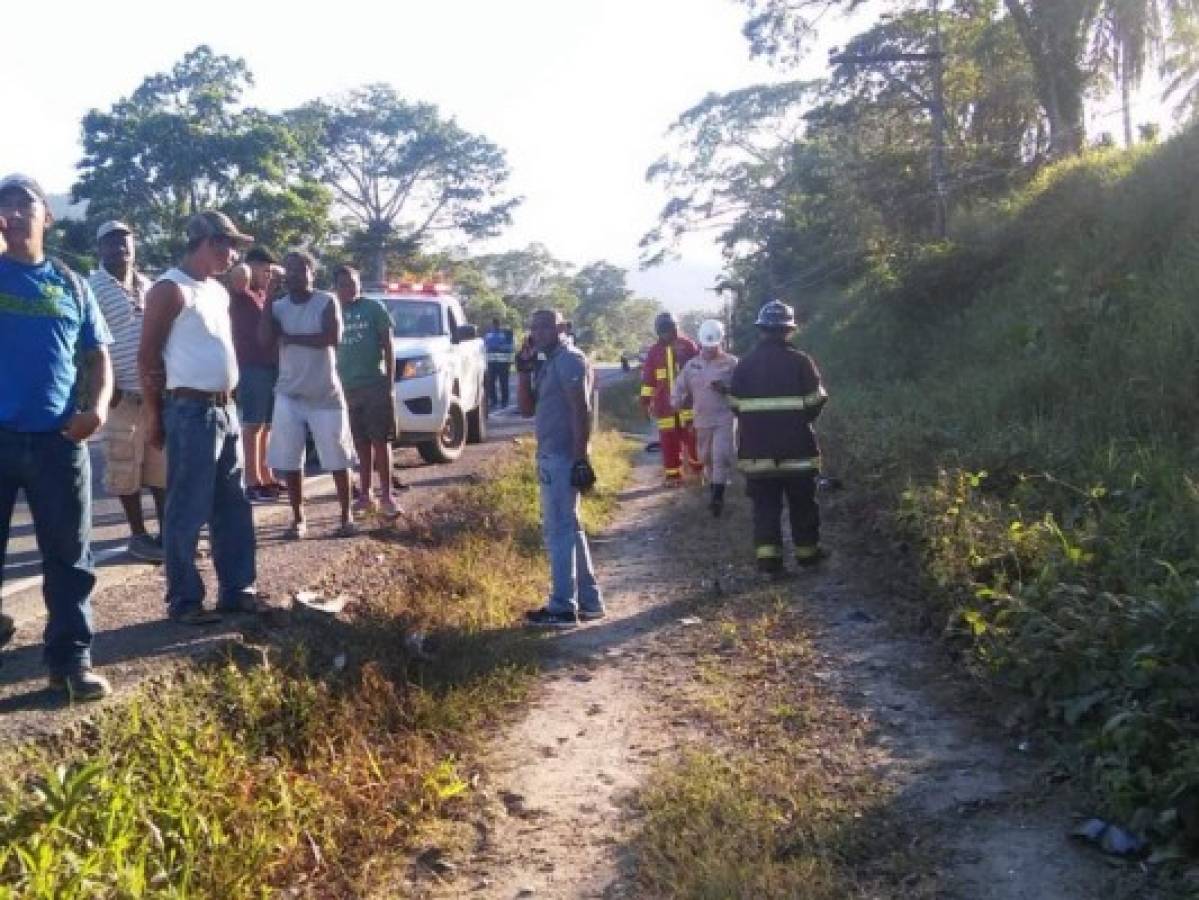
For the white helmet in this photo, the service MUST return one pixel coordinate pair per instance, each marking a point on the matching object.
(711, 333)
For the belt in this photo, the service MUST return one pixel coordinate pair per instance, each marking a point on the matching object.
(212, 398)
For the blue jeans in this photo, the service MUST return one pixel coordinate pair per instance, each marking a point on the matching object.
(573, 578)
(56, 475)
(205, 485)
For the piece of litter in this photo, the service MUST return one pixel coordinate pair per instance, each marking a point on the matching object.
(1111, 839)
(310, 601)
(691, 620)
(339, 662)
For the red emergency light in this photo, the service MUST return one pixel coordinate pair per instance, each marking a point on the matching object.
(432, 288)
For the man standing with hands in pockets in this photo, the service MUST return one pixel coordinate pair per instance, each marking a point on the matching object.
(558, 394)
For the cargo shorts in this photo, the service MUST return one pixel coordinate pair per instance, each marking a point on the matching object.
(372, 412)
(130, 462)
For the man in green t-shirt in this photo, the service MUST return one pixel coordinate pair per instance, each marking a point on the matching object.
(366, 365)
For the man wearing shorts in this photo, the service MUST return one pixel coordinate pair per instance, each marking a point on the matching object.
(305, 324)
(131, 462)
(366, 366)
(258, 367)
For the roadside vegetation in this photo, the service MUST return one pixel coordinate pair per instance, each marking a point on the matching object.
(1024, 400)
(310, 761)
(779, 794)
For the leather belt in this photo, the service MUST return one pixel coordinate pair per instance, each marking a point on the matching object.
(212, 398)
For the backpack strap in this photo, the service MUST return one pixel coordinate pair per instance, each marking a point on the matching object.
(74, 280)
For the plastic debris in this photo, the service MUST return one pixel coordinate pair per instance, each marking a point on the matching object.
(691, 620)
(313, 603)
(1111, 839)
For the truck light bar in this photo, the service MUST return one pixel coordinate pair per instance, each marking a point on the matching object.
(418, 287)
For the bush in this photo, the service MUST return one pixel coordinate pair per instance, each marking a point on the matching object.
(1027, 398)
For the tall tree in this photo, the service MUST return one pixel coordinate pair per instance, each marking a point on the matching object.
(402, 172)
(183, 142)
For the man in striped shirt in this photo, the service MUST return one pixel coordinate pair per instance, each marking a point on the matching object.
(131, 462)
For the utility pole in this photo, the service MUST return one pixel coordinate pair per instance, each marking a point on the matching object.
(935, 105)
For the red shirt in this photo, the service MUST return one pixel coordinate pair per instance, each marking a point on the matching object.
(245, 310)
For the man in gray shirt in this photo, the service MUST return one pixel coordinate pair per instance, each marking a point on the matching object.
(558, 393)
(306, 324)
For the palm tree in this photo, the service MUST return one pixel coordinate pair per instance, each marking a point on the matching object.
(1129, 34)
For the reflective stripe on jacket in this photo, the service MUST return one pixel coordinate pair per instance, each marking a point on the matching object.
(777, 394)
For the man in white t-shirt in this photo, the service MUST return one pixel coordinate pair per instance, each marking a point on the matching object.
(306, 324)
(189, 372)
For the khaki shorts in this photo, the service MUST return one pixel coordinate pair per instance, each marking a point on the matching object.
(130, 463)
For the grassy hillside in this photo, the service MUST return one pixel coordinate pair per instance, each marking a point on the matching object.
(1027, 399)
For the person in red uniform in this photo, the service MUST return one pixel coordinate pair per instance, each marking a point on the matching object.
(662, 364)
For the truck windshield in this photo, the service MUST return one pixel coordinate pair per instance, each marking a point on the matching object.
(415, 318)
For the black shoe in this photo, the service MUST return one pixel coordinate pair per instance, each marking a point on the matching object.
(544, 618)
(8, 627)
(716, 505)
(196, 615)
(771, 566)
(591, 615)
(83, 684)
(810, 560)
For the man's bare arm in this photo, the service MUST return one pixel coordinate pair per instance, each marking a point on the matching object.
(95, 381)
(163, 305)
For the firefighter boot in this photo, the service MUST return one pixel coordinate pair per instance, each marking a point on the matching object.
(770, 559)
(810, 556)
(716, 504)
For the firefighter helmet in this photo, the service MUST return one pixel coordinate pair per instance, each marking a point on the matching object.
(711, 333)
(776, 314)
(665, 323)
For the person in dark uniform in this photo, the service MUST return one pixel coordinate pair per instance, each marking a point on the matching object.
(777, 394)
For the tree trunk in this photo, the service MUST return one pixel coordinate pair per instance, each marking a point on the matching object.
(1053, 33)
(1126, 98)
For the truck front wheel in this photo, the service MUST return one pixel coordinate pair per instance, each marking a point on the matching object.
(449, 444)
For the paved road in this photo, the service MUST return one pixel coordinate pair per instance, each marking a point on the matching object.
(22, 571)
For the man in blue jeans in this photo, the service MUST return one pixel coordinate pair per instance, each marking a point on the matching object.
(189, 370)
(558, 393)
(56, 384)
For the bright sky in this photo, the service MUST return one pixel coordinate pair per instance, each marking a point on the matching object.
(579, 92)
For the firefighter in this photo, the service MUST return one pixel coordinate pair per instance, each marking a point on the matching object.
(662, 364)
(777, 394)
(703, 384)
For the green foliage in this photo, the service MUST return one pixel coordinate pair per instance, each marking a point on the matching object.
(183, 142)
(1028, 394)
(236, 783)
(402, 171)
(609, 318)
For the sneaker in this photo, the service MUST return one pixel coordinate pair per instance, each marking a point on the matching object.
(388, 509)
(545, 618)
(297, 531)
(590, 615)
(196, 614)
(82, 685)
(362, 506)
(145, 548)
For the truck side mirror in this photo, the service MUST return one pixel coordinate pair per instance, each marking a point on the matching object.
(465, 333)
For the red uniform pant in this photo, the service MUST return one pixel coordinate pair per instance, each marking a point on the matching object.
(678, 447)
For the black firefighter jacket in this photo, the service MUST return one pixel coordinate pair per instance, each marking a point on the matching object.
(777, 394)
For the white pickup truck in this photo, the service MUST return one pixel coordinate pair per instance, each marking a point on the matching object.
(440, 402)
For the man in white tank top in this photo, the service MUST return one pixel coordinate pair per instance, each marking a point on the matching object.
(306, 324)
(189, 372)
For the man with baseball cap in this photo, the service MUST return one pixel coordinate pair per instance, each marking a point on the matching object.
(131, 462)
(57, 381)
(189, 371)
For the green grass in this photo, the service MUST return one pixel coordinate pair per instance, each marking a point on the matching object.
(778, 798)
(230, 782)
(620, 406)
(1024, 403)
